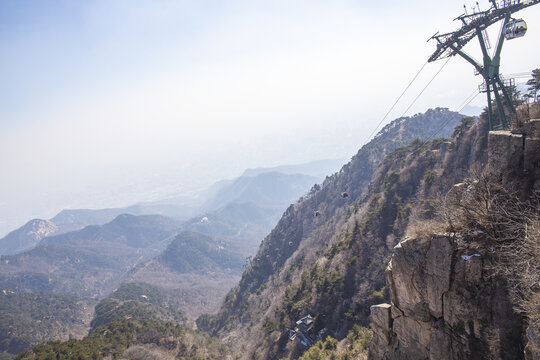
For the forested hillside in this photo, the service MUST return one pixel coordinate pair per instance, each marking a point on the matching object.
(195, 271)
(318, 280)
(31, 318)
(88, 262)
(133, 339)
(326, 257)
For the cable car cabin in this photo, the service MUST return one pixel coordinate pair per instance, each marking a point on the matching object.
(515, 28)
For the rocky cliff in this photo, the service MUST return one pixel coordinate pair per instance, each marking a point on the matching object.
(444, 305)
(464, 294)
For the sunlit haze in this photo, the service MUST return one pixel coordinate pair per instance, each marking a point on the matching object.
(108, 103)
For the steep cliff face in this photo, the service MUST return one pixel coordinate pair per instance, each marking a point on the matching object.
(467, 293)
(444, 304)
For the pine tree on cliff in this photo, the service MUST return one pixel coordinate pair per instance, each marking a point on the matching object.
(534, 83)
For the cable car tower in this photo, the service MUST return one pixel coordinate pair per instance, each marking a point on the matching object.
(474, 25)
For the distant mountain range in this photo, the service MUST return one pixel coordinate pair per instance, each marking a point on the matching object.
(79, 218)
(191, 257)
(266, 189)
(190, 275)
(90, 261)
(319, 169)
(134, 231)
(274, 187)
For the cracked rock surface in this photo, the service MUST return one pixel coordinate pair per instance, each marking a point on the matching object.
(443, 306)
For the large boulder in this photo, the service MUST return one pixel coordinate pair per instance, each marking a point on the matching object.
(444, 305)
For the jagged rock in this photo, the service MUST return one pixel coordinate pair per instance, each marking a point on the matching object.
(444, 306)
(532, 128)
(440, 341)
(460, 193)
(515, 154)
(532, 351)
(396, 312)
(505, 151)
(419, 268)
(381, 316)
(444, 148)
(381, 324)
(436, 277)
(413, 338)
(531, 157)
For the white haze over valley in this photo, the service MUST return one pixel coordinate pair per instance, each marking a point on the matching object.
(108, 103)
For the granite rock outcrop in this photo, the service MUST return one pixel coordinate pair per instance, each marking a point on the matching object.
(444, 304)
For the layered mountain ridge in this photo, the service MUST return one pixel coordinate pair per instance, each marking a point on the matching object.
(410, 238)
(269, 190)
(81, 256)
(458, 286)
(302, 266)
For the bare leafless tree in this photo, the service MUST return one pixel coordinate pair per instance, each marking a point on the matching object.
(511, 226)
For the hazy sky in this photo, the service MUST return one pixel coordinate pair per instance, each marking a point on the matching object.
(110, 102)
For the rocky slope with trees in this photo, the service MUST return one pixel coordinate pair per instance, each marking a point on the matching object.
(468, 287)
(457, 217)
(326, 257)
(417, 249)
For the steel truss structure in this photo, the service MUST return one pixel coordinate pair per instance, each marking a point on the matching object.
(475, 25)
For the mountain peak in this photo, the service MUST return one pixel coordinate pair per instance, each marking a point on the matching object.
(27, 236)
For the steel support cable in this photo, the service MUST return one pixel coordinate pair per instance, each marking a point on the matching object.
(468, 100)
(425, 87)
(395, 103)
(501, 33)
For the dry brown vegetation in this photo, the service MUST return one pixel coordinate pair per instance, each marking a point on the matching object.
(335, 268)
(526, 112)
(139, 352)
(511, 227)
(332, 265)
